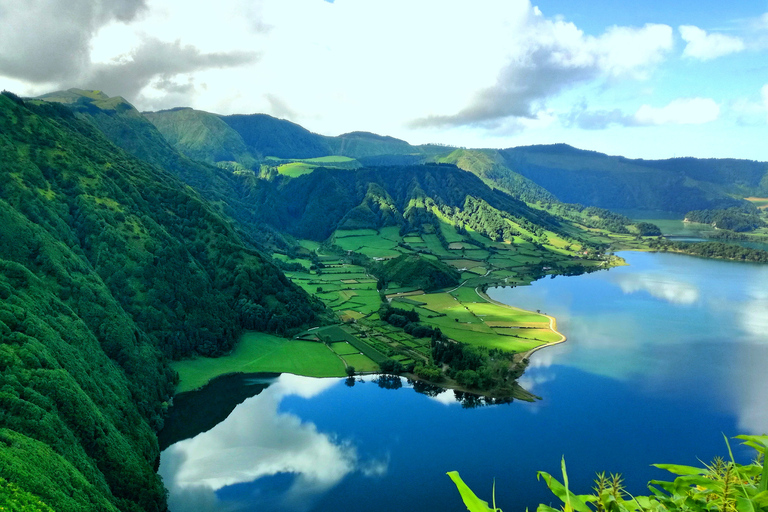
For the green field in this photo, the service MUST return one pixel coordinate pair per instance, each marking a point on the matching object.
(259, 352)
(296, 169)
(478, 322)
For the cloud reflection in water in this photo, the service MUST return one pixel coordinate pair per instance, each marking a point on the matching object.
(660, 286)
(678, 327)
(258, 441)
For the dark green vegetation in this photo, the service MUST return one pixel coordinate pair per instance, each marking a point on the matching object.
(677, 185)
(109, 266)
(719, 250)
(732, 219)
(13, 498)
(418, 271)
(722, 485)
(248, 139)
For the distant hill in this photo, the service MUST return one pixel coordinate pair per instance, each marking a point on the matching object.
(373, 149)
(267, 136)
(248, 139)
(316, 204)
(489, 166)
(676, 185)
(201, 136)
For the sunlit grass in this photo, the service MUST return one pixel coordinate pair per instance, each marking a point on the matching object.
(260, 352)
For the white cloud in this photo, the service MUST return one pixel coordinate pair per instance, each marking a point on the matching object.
(679, 111)
(550, 56)
(703, 46)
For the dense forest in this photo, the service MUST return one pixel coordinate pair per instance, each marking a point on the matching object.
(109, 267)
(676, 185)
(718, 250)
(733, 219)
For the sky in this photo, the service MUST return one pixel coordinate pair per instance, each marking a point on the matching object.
(652, 79)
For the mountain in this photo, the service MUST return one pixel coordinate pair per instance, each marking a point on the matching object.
(109, 266)
(489, 166)
(266, 136)
(249, 139)
(676, 185)
(127, 128)
(201, 136)
(314, 205)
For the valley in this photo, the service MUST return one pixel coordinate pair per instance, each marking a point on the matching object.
(146, 254)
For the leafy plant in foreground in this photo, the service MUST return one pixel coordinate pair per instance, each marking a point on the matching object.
(723, 485)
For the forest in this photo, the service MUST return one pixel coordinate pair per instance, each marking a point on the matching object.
(110, 267)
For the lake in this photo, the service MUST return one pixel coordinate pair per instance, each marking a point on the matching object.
(663, 357)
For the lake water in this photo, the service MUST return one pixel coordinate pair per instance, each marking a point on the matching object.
(663, 357)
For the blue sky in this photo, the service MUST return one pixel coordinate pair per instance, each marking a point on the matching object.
(644, 80)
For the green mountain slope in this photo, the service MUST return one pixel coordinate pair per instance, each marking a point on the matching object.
(129, 129)
(267, 136)
(247, 139)
(677, 185)
(419, 272)
(108, 265)
(489, 166)
(316, 204)
(201, 136)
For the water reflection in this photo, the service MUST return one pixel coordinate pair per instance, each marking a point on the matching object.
(660, 286)
(668, 324)
(257, 441)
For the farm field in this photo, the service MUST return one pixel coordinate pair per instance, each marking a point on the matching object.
(260, 352)
(339, 280)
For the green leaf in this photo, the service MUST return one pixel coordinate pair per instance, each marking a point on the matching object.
(679, 469)
(472, 502)
(759, 443)
(576, 502)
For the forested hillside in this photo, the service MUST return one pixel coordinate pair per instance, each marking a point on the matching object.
(108, 267)
(249, 139)
(677, 185)
(314, 205)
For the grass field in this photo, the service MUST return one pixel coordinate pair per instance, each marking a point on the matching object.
(296, 169)
(259, 352)
(465, 316)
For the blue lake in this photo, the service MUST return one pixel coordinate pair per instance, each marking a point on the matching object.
(663, 357)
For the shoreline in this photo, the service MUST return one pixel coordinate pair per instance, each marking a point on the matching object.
(552, 324)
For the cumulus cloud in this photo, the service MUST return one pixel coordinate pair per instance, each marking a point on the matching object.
(158, 60)
(679, 111)
(554, 55)
(49, 40)
(706, 46)
(582, 117)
